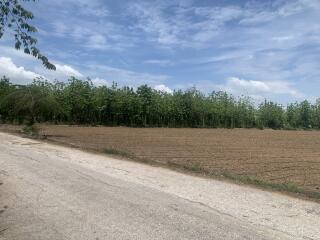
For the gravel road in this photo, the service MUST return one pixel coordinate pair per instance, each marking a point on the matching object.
(53, 192)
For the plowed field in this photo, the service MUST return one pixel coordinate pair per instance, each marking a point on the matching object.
(269, 155)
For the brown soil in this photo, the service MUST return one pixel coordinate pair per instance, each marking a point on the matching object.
(279, 157)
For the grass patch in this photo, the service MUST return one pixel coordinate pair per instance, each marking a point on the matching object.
(195, 168)
(250, 180)
(118, 152)
(282, 187)
(30, 130)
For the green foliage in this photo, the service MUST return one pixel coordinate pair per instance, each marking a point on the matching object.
(15, 18)
(80, 102)
(122, 153)
(34, 103)
(5, 86)
(78, 97)
(31, 131)
(271, 115)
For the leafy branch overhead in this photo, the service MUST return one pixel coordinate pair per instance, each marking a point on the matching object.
(14, 17)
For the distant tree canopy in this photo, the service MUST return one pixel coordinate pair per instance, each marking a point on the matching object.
(14, 17)
(80, 102)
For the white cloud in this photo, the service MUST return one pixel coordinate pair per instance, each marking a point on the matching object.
(86, 24)
(92, 8)
(257, 88)
(170, 23)
(95, 35)
(160, 62)
(191, 26)
(257, 17)
(126, 77)
(62, 73)
(99, 81)
(282, 38)
(97, 41)
(163, 88)
(9, 52)
(187, 26)
(293, 7)
(219, 15)
(94, 11)
(21, 75)
(257, 14)
(17, 74)
(151, 20)
(67, 70)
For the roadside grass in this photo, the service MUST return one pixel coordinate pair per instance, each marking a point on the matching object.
(281, 187)
(288, 187)
(32, 131)
(241, 179)
(248, 180)
(118, 152)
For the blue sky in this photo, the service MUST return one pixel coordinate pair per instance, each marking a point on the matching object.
(264, 49)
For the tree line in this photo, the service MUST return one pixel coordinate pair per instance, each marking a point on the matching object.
(80, 102)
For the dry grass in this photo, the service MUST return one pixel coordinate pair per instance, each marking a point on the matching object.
(285, 160)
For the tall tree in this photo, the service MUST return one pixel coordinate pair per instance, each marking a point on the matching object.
(271, 115)
(79, 102)
(79, 95)
(305, 114)
(33, 103)
(145, 94)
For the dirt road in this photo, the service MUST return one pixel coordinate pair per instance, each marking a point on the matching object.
(53, 192)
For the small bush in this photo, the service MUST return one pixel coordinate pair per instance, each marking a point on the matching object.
(122, 153)
(289, 127)
(31, 130)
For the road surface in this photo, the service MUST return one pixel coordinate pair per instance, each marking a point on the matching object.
(53, 192)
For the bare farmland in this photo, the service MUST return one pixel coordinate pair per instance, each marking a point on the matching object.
(279, 157)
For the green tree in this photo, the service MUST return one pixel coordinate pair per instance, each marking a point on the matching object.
(33, 103)
(79, 98)
(78, 101)
(5, 89)
(315, 115)
(5, 86)
(305, 114)
(271, 115)
(293, 115)
(145, 94)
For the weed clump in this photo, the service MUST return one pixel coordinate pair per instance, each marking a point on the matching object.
(118, 152)
(32, 131)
